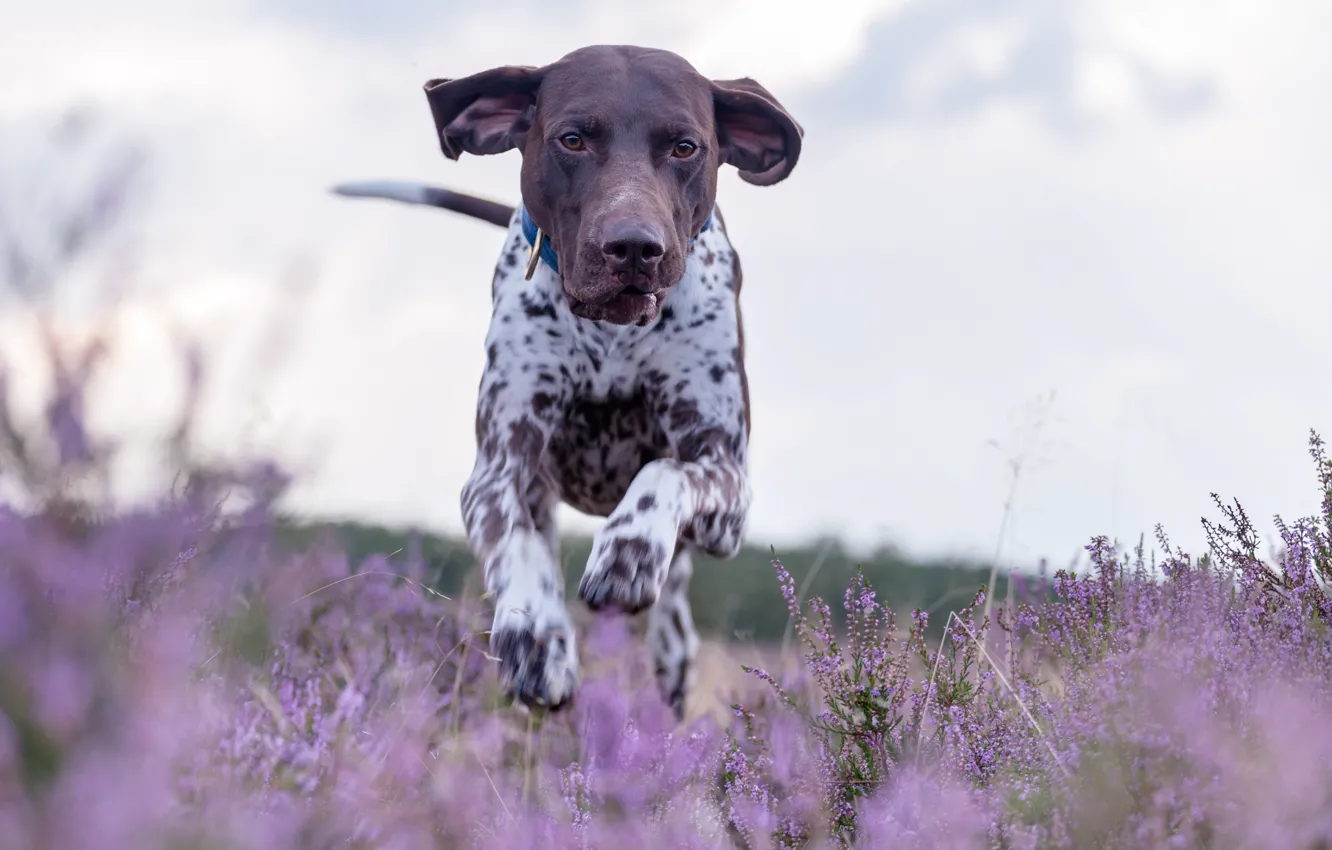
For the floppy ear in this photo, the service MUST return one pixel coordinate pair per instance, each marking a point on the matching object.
(758, 136)
(485, 113)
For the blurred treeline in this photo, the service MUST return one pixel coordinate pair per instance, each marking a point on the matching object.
(737, 599)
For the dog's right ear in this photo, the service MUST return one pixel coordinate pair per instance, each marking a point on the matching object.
(485, 113)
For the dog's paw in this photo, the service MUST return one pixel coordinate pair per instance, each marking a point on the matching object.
(532, 634)
(630, 557)
(719, 534)
(538, 654)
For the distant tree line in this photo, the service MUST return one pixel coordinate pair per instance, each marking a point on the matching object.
(736, 599)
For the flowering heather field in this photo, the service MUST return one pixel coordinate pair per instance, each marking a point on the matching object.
(172, 678)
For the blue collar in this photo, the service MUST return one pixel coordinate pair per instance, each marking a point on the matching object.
(548, 250)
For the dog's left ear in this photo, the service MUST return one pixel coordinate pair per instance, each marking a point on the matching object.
(486, 113)
(758, 136)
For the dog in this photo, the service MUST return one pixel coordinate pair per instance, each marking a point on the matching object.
(615, 371)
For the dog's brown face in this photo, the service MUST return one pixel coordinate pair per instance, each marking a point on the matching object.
(621, 148)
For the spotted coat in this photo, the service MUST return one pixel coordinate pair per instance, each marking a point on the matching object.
(646, 425)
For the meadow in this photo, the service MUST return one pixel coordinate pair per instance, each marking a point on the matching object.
(203, 672)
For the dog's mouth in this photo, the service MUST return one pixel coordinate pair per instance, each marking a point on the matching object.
(626, 307)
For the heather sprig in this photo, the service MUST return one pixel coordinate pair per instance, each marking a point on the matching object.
(868, 711)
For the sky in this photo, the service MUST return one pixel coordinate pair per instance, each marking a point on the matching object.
(1086, 241)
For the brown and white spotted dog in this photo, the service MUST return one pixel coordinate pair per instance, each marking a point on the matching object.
(615, 377)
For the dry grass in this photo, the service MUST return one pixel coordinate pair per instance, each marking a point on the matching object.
(721, 681)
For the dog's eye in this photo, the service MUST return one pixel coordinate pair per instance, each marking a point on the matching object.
(683, 150)
(572, 141)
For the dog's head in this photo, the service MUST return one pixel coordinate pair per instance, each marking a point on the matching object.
(621, 148)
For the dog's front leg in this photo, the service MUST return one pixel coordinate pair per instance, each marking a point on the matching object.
(521, 399)
(700, 496)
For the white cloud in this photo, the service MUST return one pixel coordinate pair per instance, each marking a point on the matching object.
(752, 38)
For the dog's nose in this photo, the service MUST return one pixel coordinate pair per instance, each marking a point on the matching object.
(632, 246)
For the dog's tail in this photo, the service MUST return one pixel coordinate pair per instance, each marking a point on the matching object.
(430, 196)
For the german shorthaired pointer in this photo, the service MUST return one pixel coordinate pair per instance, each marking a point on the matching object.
(615, 378)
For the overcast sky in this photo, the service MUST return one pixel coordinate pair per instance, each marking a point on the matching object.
(1125, 203)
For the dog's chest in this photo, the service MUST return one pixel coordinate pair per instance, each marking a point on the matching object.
(610, 428)
(621, 381)
(609, 362)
